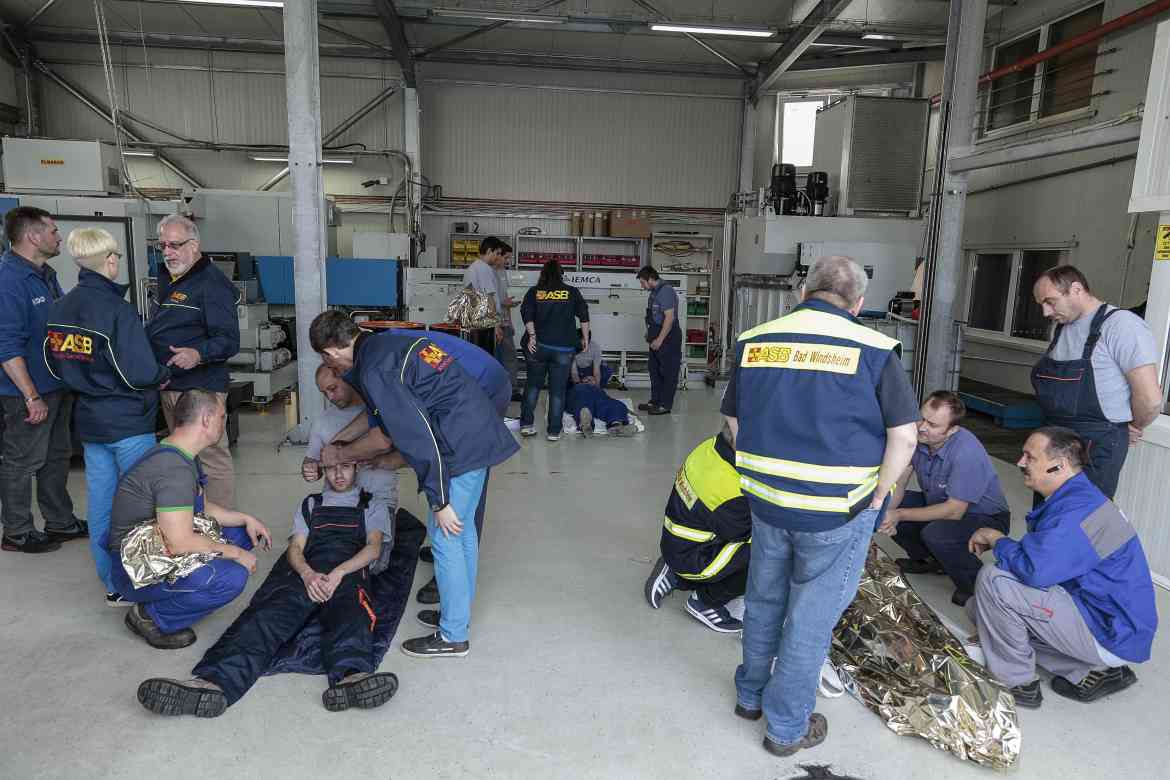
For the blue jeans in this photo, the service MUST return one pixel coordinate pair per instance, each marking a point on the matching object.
(104, 466)
(457, 556)
(799, 583)
(189, 599)
(554, 365)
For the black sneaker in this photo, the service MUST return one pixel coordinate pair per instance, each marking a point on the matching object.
(32, 542)
(1029, 696)
(657, 410)
(430, 618)
(117, 600)
(426, 555)
(647, 406)
(920, 566)
(174, 697)
(435, 646)
(364, 690)
(138, 621)
(660, 584)
(818, 729)
(714, 618)
(1097, 684)
(429, 593)
(79, 530)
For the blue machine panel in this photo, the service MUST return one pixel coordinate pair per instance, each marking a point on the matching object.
(349, 281)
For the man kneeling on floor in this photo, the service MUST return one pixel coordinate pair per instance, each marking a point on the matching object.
(1074, 595)
(705, 537)
(166, 487)
(336, 535)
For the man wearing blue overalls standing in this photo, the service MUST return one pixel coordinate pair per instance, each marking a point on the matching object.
(1099, 376)
(665, 339)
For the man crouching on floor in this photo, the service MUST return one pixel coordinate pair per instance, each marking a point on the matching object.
(336, 535)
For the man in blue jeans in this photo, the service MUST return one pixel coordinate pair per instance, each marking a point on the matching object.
(448, 431)
(824, 420)
(97, 346)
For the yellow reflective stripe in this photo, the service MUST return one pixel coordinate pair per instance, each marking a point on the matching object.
(789, 500)
(721, 560)
(690, 534)
(806, 472)
(820, 323)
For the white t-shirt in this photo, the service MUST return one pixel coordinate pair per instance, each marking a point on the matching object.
(1125, 344)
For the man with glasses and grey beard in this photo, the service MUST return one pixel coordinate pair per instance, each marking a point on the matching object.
(193, 330)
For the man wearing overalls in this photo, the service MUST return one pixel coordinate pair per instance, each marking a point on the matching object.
(665, 340)
(336, 534)
(1099, 376)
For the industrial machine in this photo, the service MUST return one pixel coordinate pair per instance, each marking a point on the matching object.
(52, 167)
(264, 358)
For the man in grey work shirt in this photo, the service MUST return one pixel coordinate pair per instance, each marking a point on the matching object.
(484, 275)
(1099, 376)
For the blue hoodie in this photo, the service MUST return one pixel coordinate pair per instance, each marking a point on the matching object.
(25, 294)
(97, 346)
(197, 310)
(1079, 540)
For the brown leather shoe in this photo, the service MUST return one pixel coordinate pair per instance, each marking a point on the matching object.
(818, 729)
(138, 621)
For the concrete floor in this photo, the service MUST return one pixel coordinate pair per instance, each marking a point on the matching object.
(571, 674)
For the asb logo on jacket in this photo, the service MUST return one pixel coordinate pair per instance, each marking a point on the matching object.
(805, 357)
(552, 295)
(434, 357)
(178, 297)
(69, 346)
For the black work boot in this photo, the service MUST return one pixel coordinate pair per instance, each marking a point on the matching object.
(429, 593)
(196, 697)
(138, 621)
(1028, 696)
(364, 690)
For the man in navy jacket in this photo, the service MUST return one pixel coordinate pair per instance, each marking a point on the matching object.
(446, 428)
(36, 407)
(194, 330)
(97, 346)
(1074, 594)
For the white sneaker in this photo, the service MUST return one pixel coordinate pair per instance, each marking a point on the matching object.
(553, 437)
(586, 424)
(528, 431)
(512, 423)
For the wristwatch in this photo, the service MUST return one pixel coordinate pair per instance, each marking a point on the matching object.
(28, 399)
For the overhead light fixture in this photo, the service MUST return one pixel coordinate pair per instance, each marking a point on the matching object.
(879, 37)
(246, 3)
(500, 16)
(137, 153)
(326, 161)
(696, 29)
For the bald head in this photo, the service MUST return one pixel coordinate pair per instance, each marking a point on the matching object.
(337, 390)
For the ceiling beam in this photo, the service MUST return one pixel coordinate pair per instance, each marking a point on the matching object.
(480, 31)
(899, 57)
(396, 31)
(721, 55)
(797, 42)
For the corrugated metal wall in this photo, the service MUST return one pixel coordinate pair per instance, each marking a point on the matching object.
(1144, 494)
(572, 144)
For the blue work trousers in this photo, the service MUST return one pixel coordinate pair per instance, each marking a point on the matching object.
(104, 466)
(946, 540)
(553, 364)
(664, 365)
(799, 583)
(457, 556)
(174, 607)
(599, 404)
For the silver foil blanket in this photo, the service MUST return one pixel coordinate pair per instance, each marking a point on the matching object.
(473, 310)
(895, 656)
(148, 561)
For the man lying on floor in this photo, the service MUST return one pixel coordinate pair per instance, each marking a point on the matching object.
(336, 535)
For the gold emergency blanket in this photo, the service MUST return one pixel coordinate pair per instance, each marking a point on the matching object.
(148, 562)
(895, 656)
(473, 310)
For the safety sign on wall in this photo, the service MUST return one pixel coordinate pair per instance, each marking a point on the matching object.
(1162, 243)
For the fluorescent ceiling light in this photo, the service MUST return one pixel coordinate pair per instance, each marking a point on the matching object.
(879, 37)
(326, 161)
(249, 3)
(746, 32)
(500, 16)
(138, 153)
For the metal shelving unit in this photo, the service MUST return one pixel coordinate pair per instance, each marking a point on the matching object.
(699, 314)
(523, 243)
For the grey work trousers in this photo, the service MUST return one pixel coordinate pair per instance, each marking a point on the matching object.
(1021, 627)
(506, 353)
(43, 451)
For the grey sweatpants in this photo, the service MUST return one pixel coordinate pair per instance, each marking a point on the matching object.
(1020, 627)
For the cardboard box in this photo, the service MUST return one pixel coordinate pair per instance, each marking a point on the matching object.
(629, 223)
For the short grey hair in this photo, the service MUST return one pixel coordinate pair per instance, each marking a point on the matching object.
(839, 276)
(179, 219)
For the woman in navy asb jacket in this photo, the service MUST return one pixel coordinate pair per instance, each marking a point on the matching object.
(96, 345)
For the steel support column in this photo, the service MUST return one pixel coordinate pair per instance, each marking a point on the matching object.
(747, 146)
(303, 90)
(934, 368)
(412, 137)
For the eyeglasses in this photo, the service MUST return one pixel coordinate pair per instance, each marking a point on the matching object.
(174, 244)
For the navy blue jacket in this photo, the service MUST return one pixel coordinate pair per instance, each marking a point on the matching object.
(1079, 540)
(197, 310)
(25, 294)
(97, 346)
(483, 367)
(435, 413)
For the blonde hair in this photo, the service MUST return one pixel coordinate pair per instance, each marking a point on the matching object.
(90, 247)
